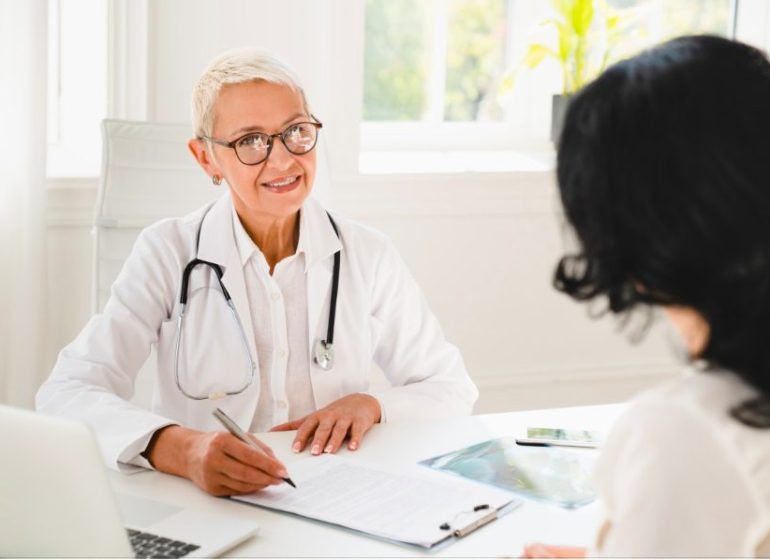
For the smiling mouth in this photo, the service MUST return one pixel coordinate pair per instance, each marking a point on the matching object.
(284, 184)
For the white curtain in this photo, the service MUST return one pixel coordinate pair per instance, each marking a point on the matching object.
(23, 49)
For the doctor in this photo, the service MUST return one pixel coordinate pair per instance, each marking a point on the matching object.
(261, 304)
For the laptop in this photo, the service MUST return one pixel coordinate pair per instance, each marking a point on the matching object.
(56, 500)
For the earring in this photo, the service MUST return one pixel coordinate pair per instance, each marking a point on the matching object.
(216, 179)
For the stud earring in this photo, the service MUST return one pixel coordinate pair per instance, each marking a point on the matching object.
(216, 179)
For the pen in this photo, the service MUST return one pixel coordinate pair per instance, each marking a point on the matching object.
(234, 429)
(556, 443)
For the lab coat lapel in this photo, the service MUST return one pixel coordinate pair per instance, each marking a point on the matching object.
(319, 279)
(217, 245)
(319, 243)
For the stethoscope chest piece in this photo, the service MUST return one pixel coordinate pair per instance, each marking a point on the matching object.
(323, 355)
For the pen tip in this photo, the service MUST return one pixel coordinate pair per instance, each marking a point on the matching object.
(290, 481)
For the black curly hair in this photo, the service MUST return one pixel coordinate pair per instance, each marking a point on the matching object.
(664, 174)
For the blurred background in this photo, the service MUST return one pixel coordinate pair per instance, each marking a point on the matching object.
(437, 120)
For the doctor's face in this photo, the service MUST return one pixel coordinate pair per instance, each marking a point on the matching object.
(276, 187)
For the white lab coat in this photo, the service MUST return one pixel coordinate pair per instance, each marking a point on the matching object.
(382, 317)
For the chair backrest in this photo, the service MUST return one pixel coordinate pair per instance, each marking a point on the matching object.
(147, 174)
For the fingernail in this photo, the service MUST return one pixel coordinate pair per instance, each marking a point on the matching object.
(328, 449)
(295, 447)
(353, 445)
(283, 473)
(316, 449)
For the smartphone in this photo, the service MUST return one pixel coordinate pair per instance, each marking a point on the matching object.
(561, 437)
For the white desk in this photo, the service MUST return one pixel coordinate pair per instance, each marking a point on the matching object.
(282, 535)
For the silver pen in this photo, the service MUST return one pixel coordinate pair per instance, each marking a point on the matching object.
(234, 429)
(540, 442)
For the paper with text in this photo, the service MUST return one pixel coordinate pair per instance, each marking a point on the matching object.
(406, 504)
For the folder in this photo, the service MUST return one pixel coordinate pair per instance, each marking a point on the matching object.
(410, 505)
(554, 476)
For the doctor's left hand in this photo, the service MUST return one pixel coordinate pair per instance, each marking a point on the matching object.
(353, 414)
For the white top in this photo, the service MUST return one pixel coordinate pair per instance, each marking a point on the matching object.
(278, 305)
(382, 318)
(679, 476)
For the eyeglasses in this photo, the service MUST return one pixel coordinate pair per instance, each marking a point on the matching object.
(255, 147)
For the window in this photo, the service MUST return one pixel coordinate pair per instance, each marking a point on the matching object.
(434, 61)
(77, 86)
(438, 73)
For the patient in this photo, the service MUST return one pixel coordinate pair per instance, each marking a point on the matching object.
(664, 172)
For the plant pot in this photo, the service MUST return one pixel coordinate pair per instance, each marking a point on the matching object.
(559, 104)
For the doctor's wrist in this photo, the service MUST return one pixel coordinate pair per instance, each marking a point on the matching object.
(167, 450)
(148, 451)
(375, 407)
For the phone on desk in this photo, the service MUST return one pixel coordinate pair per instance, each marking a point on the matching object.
(561, 437)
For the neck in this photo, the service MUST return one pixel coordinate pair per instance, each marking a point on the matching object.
(276, 237)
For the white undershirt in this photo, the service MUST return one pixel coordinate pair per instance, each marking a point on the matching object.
(278, 306)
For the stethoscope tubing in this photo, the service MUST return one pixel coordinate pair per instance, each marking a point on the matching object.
(324, 357)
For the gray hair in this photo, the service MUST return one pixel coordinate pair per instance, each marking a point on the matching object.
(234, 67)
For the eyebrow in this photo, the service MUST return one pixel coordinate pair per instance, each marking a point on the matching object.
(247, 129)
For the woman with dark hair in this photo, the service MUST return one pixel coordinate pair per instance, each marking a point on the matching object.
(664, 172)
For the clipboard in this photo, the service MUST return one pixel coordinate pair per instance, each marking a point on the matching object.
(409, 505)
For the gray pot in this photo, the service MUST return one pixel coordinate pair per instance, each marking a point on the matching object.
(559, 105)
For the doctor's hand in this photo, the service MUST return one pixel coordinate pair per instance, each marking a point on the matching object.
(217, 462)
(353, 415)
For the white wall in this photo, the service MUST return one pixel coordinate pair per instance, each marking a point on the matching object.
(482, 245)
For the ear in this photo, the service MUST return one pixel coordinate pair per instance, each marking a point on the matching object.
(202, 154)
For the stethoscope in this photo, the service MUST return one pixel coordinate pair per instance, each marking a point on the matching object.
(323, 349)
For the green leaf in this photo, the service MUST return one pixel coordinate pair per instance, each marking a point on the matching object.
(536, 53)
(506, 86)
(567, 41)
(582, 16)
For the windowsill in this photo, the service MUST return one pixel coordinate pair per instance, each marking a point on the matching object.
(58, 183)
(456, 161)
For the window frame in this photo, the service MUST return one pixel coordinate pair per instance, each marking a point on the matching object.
(67, 155)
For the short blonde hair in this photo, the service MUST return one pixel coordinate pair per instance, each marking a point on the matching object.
(234, 67)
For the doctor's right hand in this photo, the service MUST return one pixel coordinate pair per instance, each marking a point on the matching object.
(217, 462)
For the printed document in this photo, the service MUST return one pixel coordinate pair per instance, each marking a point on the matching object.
(410, 504)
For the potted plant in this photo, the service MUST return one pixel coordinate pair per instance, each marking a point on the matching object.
(586, 32)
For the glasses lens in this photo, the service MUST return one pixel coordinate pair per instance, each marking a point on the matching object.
(253, 148)
(300, 138)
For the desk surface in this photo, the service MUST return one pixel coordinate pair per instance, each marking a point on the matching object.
(282, 535)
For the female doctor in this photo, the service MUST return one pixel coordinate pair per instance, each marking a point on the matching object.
(261, 304)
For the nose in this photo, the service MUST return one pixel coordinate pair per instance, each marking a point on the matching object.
(280, 157)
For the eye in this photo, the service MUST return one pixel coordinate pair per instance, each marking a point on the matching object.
(300, 137)
(295, 131)
(253, 141)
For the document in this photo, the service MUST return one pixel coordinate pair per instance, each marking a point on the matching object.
(411, 504)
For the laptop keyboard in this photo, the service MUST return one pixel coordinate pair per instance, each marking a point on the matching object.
(147, 545)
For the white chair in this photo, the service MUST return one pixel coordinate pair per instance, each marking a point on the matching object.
(149, 174)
